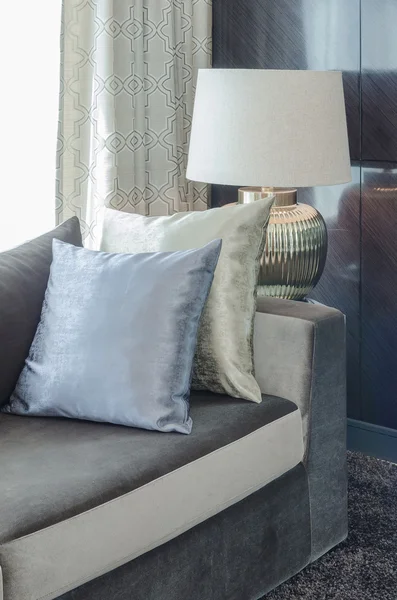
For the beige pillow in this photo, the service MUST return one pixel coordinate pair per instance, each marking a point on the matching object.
(224, 354)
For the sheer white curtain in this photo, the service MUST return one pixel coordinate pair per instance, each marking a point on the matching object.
(29, 100)
(127, 84)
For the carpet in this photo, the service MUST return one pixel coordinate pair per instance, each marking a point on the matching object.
(364, 567)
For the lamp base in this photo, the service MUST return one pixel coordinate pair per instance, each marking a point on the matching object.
(296, 245)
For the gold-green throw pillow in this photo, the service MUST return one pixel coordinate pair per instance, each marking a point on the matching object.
(224, 355)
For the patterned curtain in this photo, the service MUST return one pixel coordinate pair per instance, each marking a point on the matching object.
(128, 71)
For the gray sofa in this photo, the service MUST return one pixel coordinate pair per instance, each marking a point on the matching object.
(253, 495)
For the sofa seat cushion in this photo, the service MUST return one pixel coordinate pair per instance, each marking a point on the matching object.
(78, 499)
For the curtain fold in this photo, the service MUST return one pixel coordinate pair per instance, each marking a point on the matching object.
(128, 70)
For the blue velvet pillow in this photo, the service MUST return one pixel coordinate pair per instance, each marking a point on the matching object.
(117, 337)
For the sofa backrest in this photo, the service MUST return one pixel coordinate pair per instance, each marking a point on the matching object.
(24, 273)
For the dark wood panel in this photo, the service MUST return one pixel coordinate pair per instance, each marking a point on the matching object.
(293, 34)
(379, 80)
(339, 285)
(379, 294)
(223, 194)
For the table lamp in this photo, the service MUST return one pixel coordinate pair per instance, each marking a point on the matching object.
(274, 131)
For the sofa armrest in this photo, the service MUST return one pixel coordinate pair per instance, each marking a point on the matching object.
(300, 354)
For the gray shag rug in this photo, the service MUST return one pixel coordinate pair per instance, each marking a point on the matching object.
(364, 567)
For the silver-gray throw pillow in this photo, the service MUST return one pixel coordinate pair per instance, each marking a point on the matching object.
(117, 337)
(224, 357)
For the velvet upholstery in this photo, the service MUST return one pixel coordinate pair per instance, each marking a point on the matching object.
(239, 554)
(114, 459)
(300, 355)
(24, 273)
(49, 560)
(251, 547)
(103, 351)
(224, 357)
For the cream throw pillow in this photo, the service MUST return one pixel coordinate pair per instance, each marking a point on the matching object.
(224, 354)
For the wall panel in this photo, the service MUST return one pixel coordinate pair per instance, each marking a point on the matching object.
(379, 294)
(339, 285)
(379, 80)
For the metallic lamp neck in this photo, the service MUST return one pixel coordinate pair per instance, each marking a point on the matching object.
(283, 196)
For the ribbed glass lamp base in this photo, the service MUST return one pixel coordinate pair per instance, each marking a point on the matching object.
(295, 251)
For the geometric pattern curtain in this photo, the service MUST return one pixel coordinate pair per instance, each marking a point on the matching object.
(128, 70)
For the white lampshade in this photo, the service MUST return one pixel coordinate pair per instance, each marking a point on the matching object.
(256, 127)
